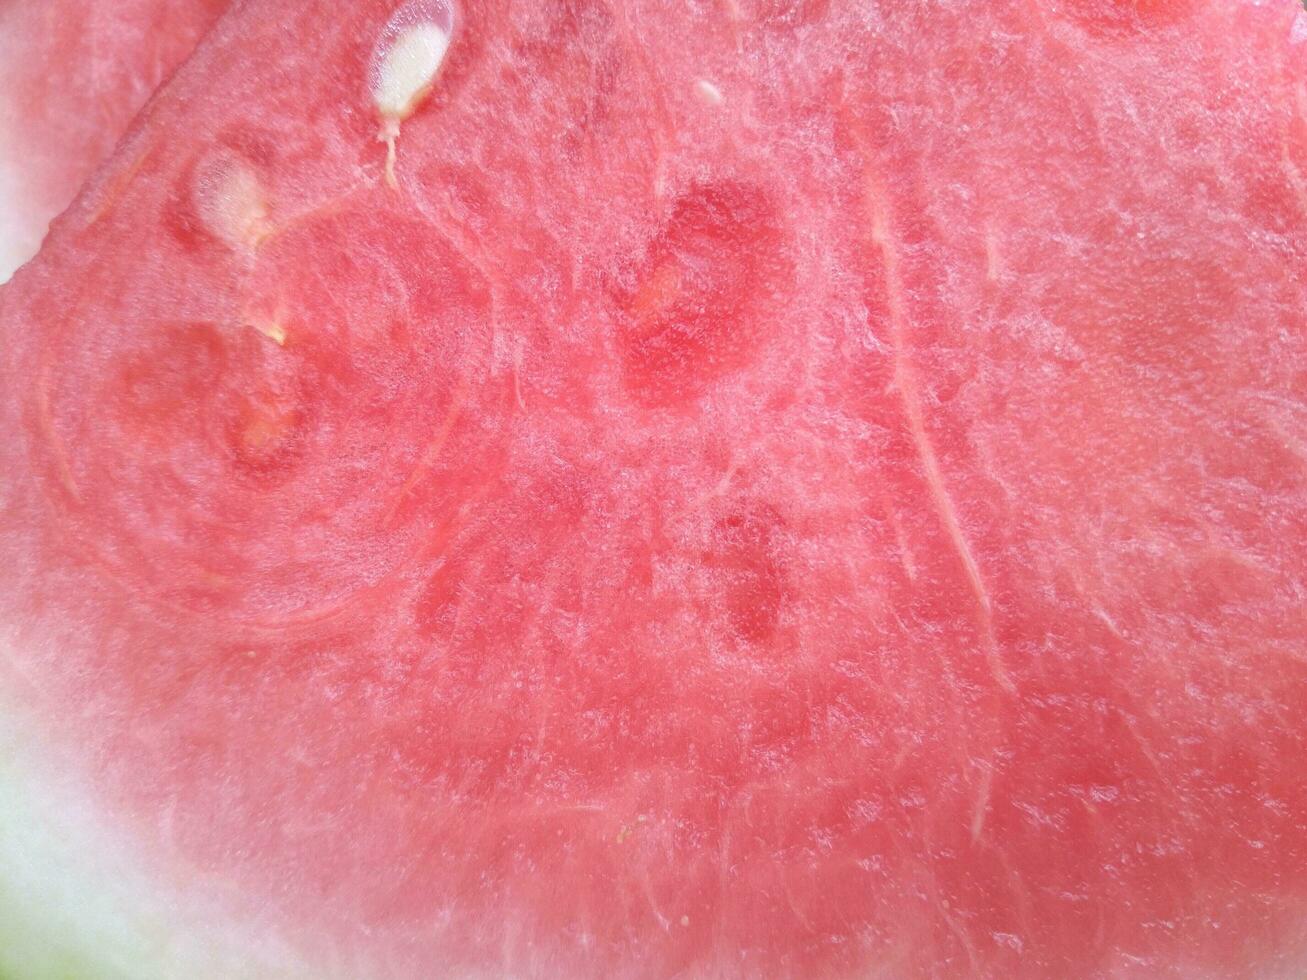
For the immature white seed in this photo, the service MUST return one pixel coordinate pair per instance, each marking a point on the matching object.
(230, 200)
(708, 93)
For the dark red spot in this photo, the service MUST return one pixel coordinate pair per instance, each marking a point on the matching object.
(1128, 16)
(693, 312)
(747, 581)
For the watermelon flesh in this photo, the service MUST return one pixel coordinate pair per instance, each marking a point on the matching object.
(73, 73)
(775, 489)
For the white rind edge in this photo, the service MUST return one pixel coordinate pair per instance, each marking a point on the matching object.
(74, 904)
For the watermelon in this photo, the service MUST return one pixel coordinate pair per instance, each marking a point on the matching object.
(769, 488)
(73, 73)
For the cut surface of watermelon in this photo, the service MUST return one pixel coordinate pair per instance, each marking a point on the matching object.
(73, 73)
(773, 488)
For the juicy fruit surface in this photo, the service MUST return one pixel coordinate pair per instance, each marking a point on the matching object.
(73, 73)
(845, 519)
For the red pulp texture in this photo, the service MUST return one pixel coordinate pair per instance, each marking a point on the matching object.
(854, 525)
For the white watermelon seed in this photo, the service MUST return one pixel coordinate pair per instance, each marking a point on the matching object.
(405, 65)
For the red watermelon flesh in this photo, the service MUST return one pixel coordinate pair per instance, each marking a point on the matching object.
(787, 489)
(73, 73)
